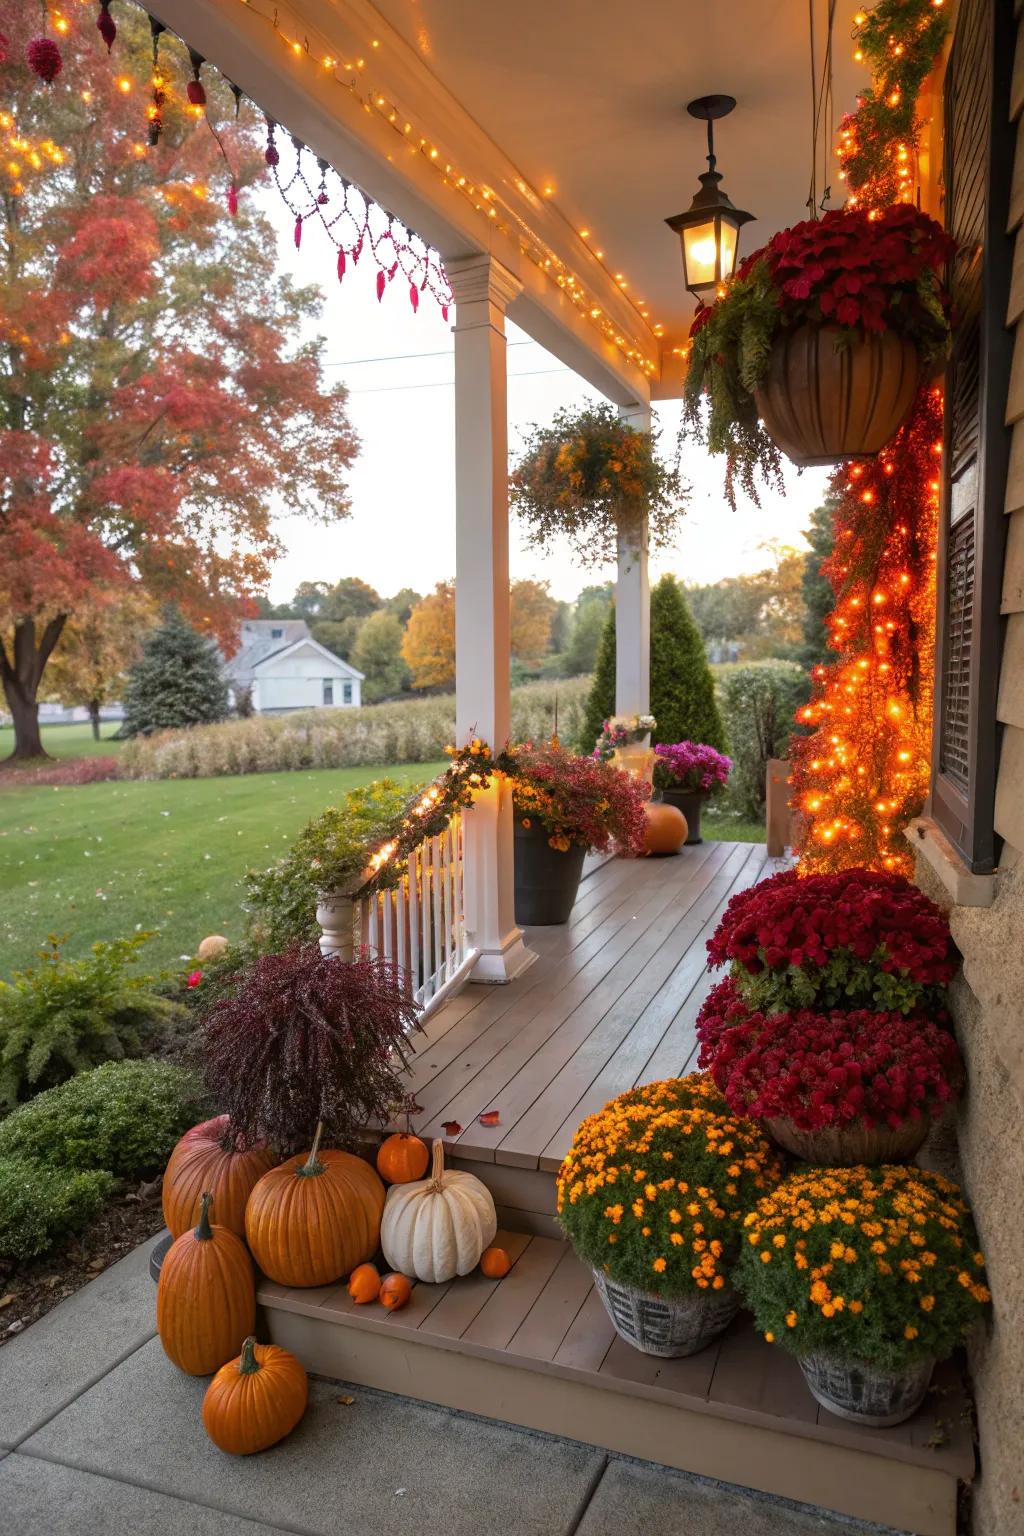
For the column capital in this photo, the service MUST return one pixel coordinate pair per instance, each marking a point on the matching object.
(482, 279)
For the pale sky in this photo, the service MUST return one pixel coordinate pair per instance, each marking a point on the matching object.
(399, 369)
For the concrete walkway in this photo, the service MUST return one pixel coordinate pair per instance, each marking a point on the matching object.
(100, 1433)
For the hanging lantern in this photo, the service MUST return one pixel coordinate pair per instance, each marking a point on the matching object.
(709, 229)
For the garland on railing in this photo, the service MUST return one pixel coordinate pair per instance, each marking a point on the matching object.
(428, 813)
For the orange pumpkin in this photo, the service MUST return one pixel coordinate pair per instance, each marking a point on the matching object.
(254, 1401)
(206, 1298)
(402, 1158)
(395, 1291)
(666, 828)
(494, 1262)
(364, 1284)
(313, 1219)
(207, 1158)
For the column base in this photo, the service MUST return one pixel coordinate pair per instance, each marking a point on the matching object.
(497, 967)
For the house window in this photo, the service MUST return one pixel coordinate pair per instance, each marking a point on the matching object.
(328, 690)
(277, 634)
(346, 693)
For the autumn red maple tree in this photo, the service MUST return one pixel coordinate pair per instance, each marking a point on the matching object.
(162, 393)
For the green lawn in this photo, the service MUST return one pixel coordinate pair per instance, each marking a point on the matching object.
(68, 741)
(719, 826)
(95, 861)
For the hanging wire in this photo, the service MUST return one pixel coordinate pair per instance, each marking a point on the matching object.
(822, 107)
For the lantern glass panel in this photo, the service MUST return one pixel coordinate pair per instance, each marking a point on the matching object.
(700, 254)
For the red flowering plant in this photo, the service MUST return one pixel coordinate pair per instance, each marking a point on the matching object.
(858, 270)
(852, 939)
(824, 1070)
(575, 799)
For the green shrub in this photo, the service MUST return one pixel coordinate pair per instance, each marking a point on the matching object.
(759, 702)
(63, 1016)
(682, 687)
(39, 1206)
(123, 1117)
(177, 681)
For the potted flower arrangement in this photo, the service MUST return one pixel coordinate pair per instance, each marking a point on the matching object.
(625, 741)
(868, 1276)
(652, 1196)
(825, 335)
(850, 939)
(845, 1086)
(565, 806)
(594, 479)
(686, 773)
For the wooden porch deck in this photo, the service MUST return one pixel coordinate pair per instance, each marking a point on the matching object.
(610, 1002)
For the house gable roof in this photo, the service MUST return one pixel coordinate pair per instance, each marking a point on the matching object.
(261, 644)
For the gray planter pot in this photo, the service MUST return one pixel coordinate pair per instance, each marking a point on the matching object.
(691, 805)
(659, 1325)
(546, 879)
(866, 1394)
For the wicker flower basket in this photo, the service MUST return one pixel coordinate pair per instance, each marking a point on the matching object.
(848, 1146)
(658, 1325)
(866, 1394)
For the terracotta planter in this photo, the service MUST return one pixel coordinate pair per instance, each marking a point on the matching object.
(660, 1325)
(690, 802)
(546, 879)
(848, 1146)
(864, 1393)
(822, 402)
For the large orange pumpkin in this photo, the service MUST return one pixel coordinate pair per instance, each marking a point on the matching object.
(402, 1158)
(666, 828)
(313, 1219)
(207, 1158)
(254, 1401)
(206, 1297)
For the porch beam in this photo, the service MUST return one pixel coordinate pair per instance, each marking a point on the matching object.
(633, 603)
(483, 291)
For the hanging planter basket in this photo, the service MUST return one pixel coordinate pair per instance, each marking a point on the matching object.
(830, 395)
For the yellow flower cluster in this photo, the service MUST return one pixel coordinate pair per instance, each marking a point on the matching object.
(654, 1187)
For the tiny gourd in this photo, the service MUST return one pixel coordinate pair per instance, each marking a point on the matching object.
(315, 1218)
(208, 1157)
(255, 1400)
(206, 1297)
(495, 1263)
(438, 1228)
(402, 1158)
(364, 1284)
(395, 1291)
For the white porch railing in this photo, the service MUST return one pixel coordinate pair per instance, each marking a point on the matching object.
(421, 923)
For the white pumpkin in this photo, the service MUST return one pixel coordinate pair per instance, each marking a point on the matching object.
(438, 1228)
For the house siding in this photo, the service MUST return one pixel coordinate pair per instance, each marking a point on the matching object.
(988, 998)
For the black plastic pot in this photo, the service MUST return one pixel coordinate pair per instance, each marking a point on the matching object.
(546, 879)
(157, 1254)
(690, 803)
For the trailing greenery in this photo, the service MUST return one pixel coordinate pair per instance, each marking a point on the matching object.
(592, 478)
(759, 702)
(62, 1016)
(177, 681)
(682, 688)
(39, 1206)
(123, 1117)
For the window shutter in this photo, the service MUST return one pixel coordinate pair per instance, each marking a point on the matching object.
(978, 161)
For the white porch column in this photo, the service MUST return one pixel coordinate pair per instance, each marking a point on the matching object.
(483, 290)
(633, 605)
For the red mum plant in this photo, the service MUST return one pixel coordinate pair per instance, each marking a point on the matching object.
(722, 1010)
(849, 939)
(827, 1070)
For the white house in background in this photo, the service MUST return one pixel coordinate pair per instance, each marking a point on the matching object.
(283, 668)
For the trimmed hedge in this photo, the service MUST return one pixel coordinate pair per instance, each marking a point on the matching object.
(122, 1118)
(40, 1206)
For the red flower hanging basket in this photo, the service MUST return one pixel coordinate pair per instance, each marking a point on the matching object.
(830, 394)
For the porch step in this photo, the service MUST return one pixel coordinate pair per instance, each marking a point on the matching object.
(537, 1349)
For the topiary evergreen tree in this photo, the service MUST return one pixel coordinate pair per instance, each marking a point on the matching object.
(682, 688)
(177, 681)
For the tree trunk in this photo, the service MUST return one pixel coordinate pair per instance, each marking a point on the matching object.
(21, 683)
(94, 717)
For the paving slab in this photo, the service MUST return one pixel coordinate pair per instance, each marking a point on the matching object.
(635, 1500)
(384, 1464)
(40, 1498)
(63, 1353)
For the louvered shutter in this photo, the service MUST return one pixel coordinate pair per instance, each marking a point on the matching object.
(978, 158)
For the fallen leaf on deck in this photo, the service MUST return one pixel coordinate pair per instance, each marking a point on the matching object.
(346, 1401)
(490, 1117)
(451, 1127)
(5, 1301)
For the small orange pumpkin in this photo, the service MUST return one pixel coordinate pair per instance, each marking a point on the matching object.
(494, 1263)
(206, 1297)
(254, 1401)
(402, 1158)
(395, 1291)
(364, 1284)
(207, 1158)
(313, 1219)
(666, 828)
